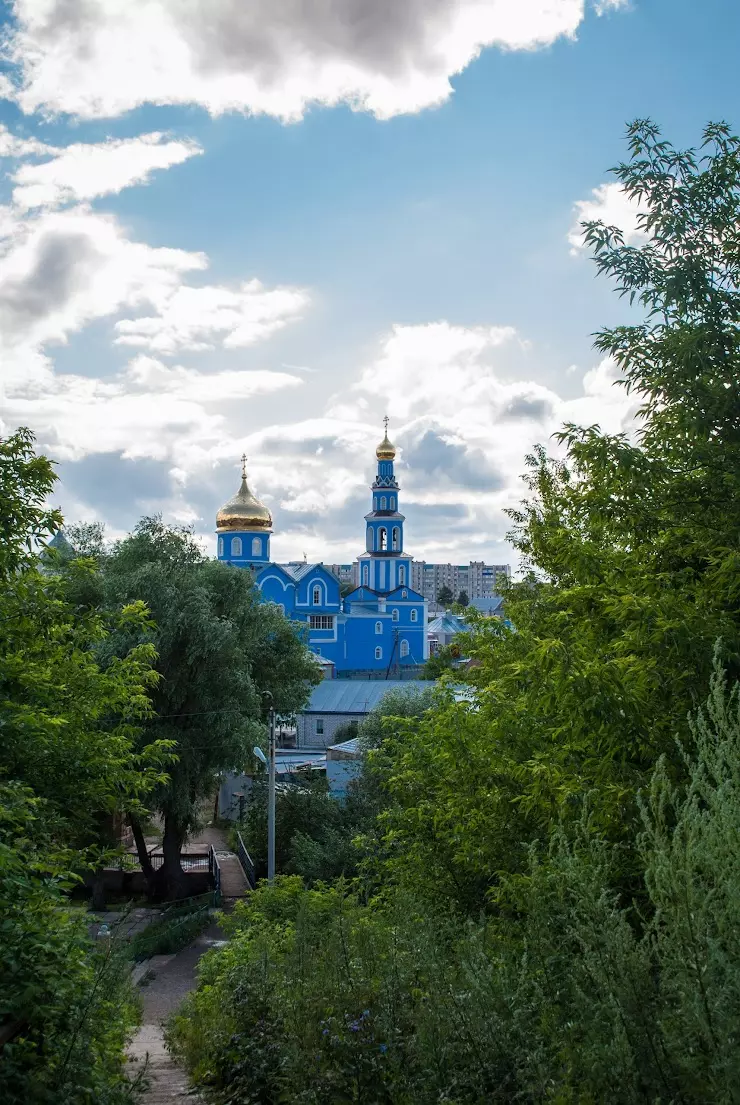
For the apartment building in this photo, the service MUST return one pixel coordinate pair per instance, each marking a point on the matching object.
(476, 579)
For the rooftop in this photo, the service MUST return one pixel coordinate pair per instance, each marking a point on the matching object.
(357, 696)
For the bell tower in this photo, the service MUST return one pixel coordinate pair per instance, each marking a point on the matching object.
(384, 566)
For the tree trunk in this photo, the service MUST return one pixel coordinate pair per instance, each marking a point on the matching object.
(98, 897)
(172, 882)
(143, 854)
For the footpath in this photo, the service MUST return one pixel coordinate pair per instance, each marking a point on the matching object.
(170, 979)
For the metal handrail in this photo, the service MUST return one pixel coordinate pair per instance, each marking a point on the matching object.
(214, 870)
(246, 861)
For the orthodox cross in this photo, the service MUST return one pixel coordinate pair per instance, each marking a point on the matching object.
(244, 466)
(386, 420)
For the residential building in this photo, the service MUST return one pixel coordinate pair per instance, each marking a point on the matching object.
(476, 579)
(336, 703)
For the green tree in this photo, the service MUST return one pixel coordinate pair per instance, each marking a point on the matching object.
(223, 657)
(444, 595)
(71, 724)
(462, 599)
(72, 763)
(632, 547)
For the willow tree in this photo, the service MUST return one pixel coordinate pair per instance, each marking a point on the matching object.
(223, 657)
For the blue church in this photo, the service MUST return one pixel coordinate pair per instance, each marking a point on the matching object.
(381, 625)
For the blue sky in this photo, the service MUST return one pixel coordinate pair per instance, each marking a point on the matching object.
(205, 249)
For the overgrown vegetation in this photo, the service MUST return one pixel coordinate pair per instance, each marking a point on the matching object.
(546, 900)
(71, 765)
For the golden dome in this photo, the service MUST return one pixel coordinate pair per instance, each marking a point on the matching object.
(386, 450)
(244, 511)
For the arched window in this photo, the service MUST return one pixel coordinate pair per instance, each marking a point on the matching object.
(378, 627)
(404, 649)
(414, 615)
(396, 532)
(402, 574)
(236, 546)
(393, 502)
(382, 538)
(404, 594)
(394, 614)
(378, 653)
(365, 574)
(220, 546)
(383, 502)
(316, 596)
(256, 546)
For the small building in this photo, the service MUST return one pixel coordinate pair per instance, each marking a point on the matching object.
(343, 702)
(492, 606)
(443, 629)
(343, 764)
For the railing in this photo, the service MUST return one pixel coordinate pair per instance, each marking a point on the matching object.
(196, 861)
(214, 870)
(246, 861)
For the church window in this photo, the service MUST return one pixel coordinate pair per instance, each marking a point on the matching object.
(317, 596)
(393, 502)
(394, 614)
(236, 546)
(383, 502)
(321, 621)
(369, 540)
(378, 627)
(404, 594)
(395, 538)
(220, 546)
(414, 615)
(378, 653)
(319, 727)
(256, 546)
(382, 538)
(404, 648)
(402, 573)
(365, 574)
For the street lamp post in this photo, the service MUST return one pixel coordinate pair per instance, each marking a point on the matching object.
(271, 801)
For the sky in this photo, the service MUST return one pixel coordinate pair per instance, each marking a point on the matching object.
(230, 227)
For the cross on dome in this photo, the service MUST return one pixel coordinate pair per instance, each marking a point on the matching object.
(244, 466)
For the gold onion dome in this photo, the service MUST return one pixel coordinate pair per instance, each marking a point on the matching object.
(386, 450)
(244, 511)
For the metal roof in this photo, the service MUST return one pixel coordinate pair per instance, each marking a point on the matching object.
(490, 604)
(448, 623)
(356, 696)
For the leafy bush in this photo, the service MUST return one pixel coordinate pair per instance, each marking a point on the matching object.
(72, 1008)
(564, 993)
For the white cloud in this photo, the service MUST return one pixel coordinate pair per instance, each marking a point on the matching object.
(148, 375)
(193, 318)
(66, 268)
(610, 205)
(11, 145)
(149, 410)
(105, 57)
(83, 171)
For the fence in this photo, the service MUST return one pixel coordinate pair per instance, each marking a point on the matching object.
(246, 861)
(214, 870)
(197, 861)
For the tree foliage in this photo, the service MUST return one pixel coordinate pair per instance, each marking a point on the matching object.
(555, 865)
(71, 761)
(223, 657)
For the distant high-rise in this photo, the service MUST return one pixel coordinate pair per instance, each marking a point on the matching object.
(476, 579)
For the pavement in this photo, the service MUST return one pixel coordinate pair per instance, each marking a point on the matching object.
(174, 976)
